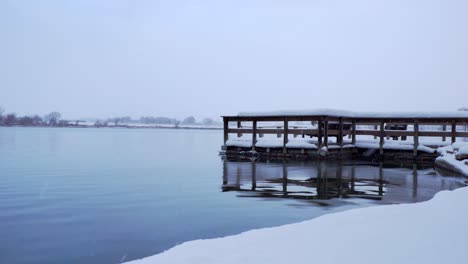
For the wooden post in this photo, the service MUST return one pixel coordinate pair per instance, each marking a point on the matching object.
(353, 138)
(375, 128)
(320, 133)
(454, 131)
(340, 133)
(239, 125)
(254, 134)
(254, 176)
(285, 136)
(325, 133)
(416, 138)
(415, 180)
(226, 128)
(285, 179)
(444, 128)
(225, 171)
(380, 178)
(382, 135)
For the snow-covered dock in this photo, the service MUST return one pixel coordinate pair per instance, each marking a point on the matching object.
(340, 134)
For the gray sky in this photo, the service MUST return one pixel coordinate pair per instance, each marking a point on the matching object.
(207, 58)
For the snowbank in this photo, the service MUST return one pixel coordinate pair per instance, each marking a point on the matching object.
(307, 143)
(462, 153)
(428, 232)
(394, 145)
(246, 142)
(454, 158)
(343, 113)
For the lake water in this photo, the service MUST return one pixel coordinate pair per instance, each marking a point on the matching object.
(71, 195)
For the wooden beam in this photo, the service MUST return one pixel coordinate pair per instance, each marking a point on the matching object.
(226, 129)
(325, 133)
(353, 136)
(444, 128)
(382, 136)
(285, 136)
(416, 138)
(254, 135)
(375, 128)
(320, 134)
(340, 133)
(454, 131)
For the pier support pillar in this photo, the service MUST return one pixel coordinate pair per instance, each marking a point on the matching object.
(226, 128)
(325, 133)
(254, 134)
(353, 136)
(416, 138)
(444, 128)
(340, 133)
(382, 135)
(285, 136)
(454, 131)
(320, 134)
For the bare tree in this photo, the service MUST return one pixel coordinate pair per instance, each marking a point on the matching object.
(52, 118)
(189, 120)
(10, 119)
(207, 121)
(116, 120)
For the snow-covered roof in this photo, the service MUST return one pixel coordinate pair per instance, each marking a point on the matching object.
(344, 113)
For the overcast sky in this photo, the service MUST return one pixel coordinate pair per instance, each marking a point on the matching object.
(211, 57)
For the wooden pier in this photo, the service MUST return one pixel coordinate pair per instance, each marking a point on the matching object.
(323, 127)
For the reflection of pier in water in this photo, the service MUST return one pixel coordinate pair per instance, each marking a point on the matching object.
(324, 180)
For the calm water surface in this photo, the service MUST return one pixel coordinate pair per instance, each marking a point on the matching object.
(112, 195)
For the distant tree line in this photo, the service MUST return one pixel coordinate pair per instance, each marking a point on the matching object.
(51, 119)
(158, 120)
(54, 119)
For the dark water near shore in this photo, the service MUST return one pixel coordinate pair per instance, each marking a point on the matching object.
(110, 195)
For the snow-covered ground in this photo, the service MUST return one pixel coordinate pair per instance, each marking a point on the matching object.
(271, 141)
(454, 158)
(429, 232)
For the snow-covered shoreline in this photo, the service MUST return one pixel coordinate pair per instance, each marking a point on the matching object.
(454, 158)
(427, 232)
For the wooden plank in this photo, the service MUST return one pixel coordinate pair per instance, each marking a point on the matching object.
(285, 136)
(382, 136)
(254, 135)
(226, 129)
(339, 139)
(444, 128)
(325, 133)
(454, 131)
(416, 138)
(320, 133)
(353, 133)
